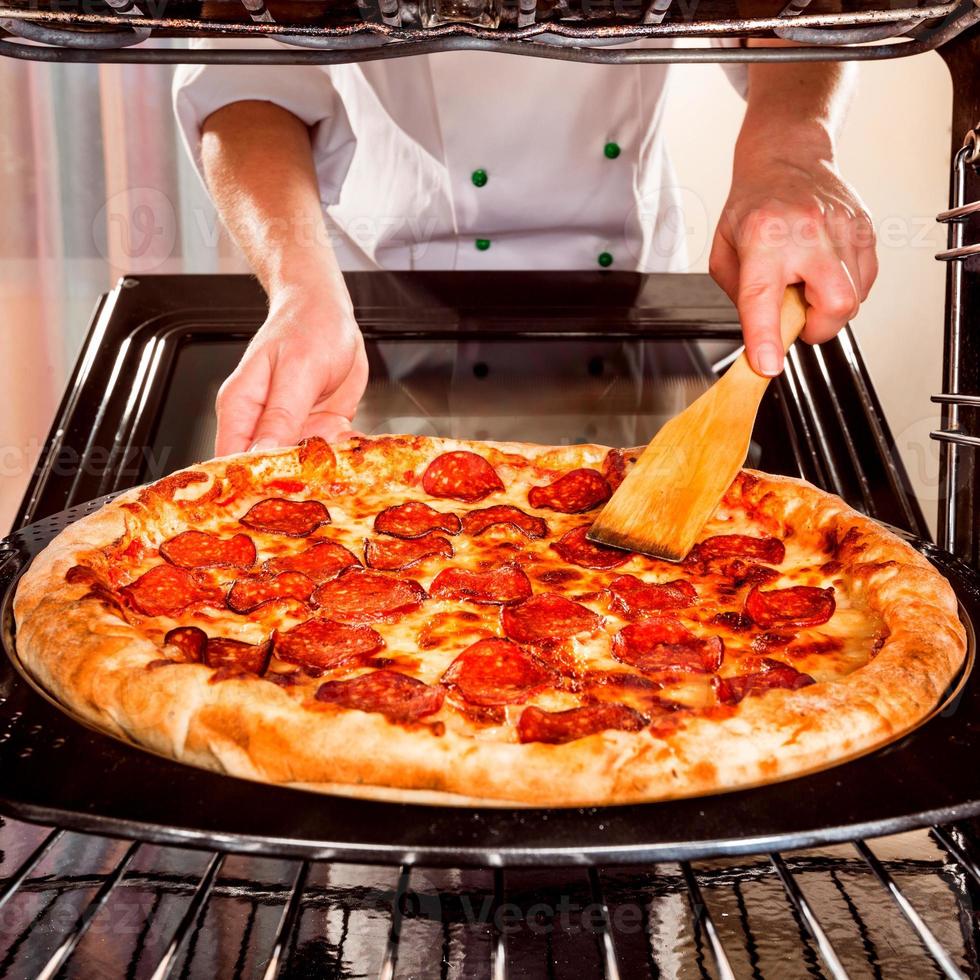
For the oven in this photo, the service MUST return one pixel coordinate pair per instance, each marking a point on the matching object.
(114, 863)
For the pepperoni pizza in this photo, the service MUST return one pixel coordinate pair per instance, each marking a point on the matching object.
(425, 619)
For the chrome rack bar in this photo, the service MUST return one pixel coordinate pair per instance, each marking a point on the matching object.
(702, 918)
(945, 837)
(201, 894)
(498, 951)
(67, 947)
(925, 934)
(827, 952)
(656, 11)
(287, 924)
(958, 214)
(527, 13)
(970, 401)
(604, 939)
(258, 11)
(32, 861)
(958, 438)
(390, 959)
(962, 252)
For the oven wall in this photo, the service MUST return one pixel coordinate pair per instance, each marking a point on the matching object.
(895, 151)
(83, 144)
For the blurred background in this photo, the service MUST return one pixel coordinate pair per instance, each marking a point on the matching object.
(94, 185)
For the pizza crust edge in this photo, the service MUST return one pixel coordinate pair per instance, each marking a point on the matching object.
(252, 729)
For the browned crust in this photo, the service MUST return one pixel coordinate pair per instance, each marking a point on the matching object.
(88, 657)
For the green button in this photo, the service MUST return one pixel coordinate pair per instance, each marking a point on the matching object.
(479, 177)
(482, 244)
(605, 259)
(611, 150)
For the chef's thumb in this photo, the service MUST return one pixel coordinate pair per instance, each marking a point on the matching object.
(759, 303)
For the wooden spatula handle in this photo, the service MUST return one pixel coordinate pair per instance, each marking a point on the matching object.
(792, 315)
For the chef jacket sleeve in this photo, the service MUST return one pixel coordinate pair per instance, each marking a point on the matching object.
(304, 90)
(737, 74)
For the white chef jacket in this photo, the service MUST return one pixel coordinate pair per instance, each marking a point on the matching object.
(397, 143)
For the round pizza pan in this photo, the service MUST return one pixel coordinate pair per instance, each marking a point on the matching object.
(56, 770)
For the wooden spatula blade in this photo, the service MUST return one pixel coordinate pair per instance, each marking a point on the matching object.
(675, 485)
(678, 481)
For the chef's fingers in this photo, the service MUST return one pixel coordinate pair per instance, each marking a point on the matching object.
(831, 295)
(867, 257)
(332, 426)
(293, 391)
(239, 404)
(761, 284)
(723, 265)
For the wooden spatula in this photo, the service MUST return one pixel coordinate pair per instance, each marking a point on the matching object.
(680, 478)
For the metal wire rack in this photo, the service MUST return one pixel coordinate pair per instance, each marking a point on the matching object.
(73, 902)
(579, 30)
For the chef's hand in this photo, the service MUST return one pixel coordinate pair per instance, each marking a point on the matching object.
(786, 224)
(305, 370)
(790, 215)
(303, 374)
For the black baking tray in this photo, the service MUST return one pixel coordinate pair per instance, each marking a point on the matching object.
(55, 770)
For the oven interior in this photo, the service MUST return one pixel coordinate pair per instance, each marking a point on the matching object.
(79, 902)
(86, 895)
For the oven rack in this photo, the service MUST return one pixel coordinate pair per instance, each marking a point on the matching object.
(959, 434)
(406, 896)
(575, 30)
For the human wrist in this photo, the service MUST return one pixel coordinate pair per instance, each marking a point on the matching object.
(776, 141)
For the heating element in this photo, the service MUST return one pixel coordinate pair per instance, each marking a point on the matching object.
(576, 30)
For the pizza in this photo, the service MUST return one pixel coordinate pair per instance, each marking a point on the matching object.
(425, 619)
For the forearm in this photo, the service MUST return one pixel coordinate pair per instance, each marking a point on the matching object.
(258, 163)
(794, 110)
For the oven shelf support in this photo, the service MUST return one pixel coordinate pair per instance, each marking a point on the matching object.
(956, 472)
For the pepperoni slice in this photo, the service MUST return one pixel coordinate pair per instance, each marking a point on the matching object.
(461, 475)
(165, 589)
(398, 697)
(633, 598)
(295, 518)
(477, 521)
(557, 727)
(663, 643)
(799, 606)
(747, 573)
(547, 617)
(496, 671)
(614, 467)
(576, 549)
(498, 587)
(223, 652)
(391, 554)
(199, 549)
(772, 551)
(318, 645)
(414, 519)
(575, 492)
(250, 593)
(191, 642)
(360, 596)
(774, 674)
(321, 562)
